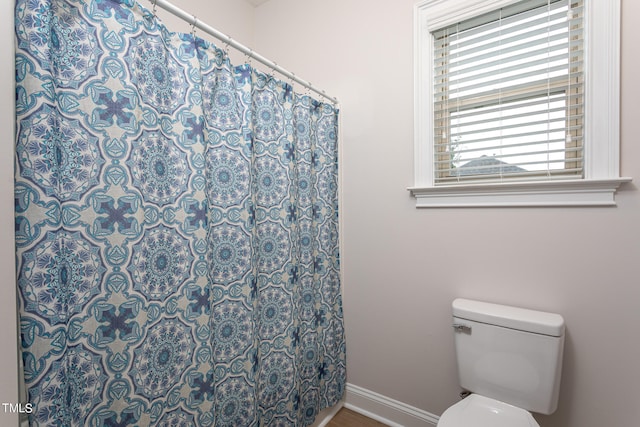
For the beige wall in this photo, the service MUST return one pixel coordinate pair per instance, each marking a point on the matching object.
(403, 267)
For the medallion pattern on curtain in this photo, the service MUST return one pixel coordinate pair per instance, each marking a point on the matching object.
(176, 228)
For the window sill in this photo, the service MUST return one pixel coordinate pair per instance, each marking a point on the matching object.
(584, 192)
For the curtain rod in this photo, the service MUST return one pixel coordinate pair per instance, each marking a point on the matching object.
(238, 46)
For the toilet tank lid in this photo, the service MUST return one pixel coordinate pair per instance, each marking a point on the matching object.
(539, 322)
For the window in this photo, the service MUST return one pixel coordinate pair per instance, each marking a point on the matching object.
(508, 94)
(517, 102)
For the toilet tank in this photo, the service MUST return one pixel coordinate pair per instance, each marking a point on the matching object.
(510, 354)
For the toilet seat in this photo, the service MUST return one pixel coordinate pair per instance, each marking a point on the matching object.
(481, 411)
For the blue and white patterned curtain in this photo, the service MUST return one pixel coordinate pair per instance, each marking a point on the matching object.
(176, 228)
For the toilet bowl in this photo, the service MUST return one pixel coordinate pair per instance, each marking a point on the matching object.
(481, 411)
(509, 359)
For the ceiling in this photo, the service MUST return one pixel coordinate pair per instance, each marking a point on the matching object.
(257, 2)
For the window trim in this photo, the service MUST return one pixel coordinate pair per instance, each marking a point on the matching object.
(602, 116)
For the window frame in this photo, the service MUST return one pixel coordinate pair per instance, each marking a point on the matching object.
(601, 122)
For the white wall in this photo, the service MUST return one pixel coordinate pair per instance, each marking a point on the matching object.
(403, 267)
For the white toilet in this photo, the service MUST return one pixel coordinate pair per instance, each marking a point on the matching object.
(510, 359)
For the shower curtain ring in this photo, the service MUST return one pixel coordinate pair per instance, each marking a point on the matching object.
(155, 8)
(193, 26)
(273, 69)
(226, 45)
(248, 57)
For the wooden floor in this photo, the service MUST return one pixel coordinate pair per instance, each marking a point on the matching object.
(348, 418)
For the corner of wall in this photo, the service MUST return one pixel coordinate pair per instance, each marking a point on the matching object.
(8, 314)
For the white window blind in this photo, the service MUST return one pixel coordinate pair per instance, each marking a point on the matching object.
(508, 94)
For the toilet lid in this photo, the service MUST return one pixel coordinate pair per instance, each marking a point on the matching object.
(480, 411)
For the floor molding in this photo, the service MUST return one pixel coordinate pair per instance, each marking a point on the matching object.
(327, 414)
(386, 410)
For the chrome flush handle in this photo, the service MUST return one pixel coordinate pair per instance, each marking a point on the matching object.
(462, 328)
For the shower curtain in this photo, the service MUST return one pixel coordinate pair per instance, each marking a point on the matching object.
(176, 228)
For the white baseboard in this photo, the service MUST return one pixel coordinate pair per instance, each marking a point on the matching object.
(386, 410)
(327, 414)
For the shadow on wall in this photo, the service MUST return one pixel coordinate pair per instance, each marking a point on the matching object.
(561, 416)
